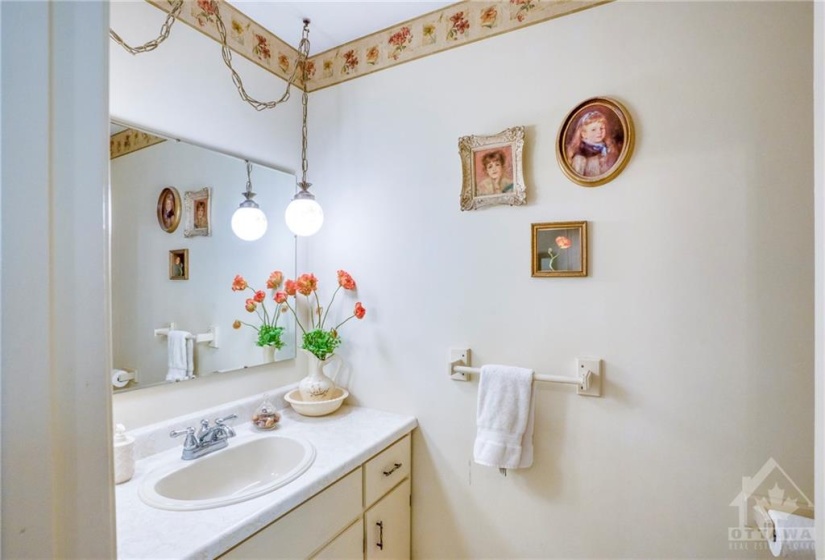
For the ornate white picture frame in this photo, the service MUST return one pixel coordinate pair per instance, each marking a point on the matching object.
(197, 209)
(492, 169)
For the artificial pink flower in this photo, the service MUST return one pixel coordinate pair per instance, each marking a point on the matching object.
(280, 297)
(275, 279)
(563, 242)
(345, 280)
(359, 311)
(306, 283)
(239, 284)
(290, 287)
(250, 305)
(259, 296)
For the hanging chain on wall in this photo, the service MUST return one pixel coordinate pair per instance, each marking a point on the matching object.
(303, 48)
(153, 44)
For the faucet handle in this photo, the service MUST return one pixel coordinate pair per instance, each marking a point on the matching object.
(189, 442)
(219, 422)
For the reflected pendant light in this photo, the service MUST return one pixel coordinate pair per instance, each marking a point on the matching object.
(249, 221)
(304, 215)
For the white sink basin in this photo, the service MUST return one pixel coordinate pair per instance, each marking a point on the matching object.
(239, 472)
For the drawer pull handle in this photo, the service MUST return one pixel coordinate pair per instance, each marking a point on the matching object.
(380, 543)
(394, 468)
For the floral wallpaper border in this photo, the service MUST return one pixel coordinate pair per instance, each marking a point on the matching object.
(458, 24)
(131, 140)
(243, 35)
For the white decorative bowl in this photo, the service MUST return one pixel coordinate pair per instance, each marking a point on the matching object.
(316, 408)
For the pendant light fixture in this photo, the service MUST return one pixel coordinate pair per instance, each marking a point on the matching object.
(249, 221)
(304, 215)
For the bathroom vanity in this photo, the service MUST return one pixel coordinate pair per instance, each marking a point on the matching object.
(352, 502)
(366, 514)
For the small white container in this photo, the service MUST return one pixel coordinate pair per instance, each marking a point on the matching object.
(124, 455)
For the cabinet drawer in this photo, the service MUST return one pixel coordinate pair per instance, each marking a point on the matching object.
(298, 533)
(385, 470)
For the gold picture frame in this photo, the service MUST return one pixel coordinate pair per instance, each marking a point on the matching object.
(492, 169)
(595, 141)
(559, 249)
(169, 209)
(179, 264)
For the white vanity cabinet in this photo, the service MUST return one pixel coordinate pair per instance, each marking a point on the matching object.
(365, 514)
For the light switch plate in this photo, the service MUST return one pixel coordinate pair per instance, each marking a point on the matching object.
(595, 367)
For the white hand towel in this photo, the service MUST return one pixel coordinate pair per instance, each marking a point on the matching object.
(178, 362)
(190, 358)
(505, 418)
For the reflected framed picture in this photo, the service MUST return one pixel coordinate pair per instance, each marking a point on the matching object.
(179, 264)
(595, 141)
(169, 209)
(197, 208)
(492, 169)
(559, 249)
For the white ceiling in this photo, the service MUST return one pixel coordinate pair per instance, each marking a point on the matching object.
(333, 23)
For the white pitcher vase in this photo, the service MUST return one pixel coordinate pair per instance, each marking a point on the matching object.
(317, 386)
(268, 353)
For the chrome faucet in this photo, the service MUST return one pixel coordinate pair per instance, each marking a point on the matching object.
(208, 439)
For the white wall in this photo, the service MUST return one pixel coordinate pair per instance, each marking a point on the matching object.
(819, 211)
(184, 90)
(57, 485)
(700, 299)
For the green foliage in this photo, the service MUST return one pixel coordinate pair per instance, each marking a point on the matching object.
(269, 335)
(321, 343)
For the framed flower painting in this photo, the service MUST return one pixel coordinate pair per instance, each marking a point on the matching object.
(559, 249)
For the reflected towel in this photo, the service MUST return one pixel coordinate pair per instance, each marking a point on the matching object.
(505, 418)
(178, 356)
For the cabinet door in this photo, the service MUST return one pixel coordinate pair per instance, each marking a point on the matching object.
(387, 525)
(307, 527)
(349, 545)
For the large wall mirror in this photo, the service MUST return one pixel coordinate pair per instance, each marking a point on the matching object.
(177, 268)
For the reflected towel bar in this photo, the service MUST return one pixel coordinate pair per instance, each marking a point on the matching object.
(211, 336)
(588, 380)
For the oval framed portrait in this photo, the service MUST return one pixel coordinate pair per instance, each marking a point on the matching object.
(169, 209)
(595, 141)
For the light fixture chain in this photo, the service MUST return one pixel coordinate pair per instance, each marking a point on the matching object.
(236, 78)
(226, 53)
(249, 193)
(165, 29)
(304, 164)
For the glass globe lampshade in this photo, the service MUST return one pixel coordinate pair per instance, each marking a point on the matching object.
(304, 216)
(249, 222)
